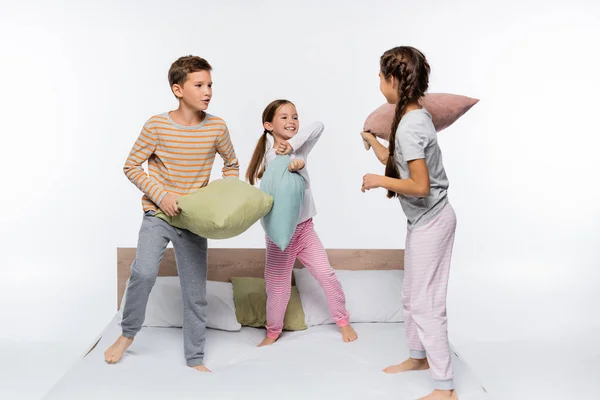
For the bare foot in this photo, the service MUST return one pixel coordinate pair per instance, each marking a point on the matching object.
(348, 333)
(412, 364)
(267, 342)
(441, 395)
(114, 353)
(201, 368)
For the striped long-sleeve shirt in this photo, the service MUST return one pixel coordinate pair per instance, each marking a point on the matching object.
(180, 158)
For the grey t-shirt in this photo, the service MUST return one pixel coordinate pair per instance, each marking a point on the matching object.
(416, 138)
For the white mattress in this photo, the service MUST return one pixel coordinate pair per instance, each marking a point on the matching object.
(310, 364)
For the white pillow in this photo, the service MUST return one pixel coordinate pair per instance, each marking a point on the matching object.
(165, 306)
(371, 296)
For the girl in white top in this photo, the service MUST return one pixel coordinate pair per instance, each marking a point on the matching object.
(280, 120)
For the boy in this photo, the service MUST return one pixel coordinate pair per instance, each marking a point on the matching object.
(180, 148)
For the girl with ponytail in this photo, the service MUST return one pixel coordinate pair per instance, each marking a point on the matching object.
(280, 120)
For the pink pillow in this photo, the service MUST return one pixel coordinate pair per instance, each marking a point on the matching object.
(444, 108)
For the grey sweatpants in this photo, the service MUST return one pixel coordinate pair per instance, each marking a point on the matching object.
(191, 256)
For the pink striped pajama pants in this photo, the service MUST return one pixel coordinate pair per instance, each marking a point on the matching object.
(426, 272)
(307, 247)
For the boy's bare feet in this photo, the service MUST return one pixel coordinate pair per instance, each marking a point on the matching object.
(441, 395)
(348, 333)
(267, 342)
(114, 353)
(201, 368)
(412, 364)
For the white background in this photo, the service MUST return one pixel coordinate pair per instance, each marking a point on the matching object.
(77, 82)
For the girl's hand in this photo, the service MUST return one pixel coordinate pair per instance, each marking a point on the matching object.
(367, 137)
(283, 148)
(371, 181)
(296, 164)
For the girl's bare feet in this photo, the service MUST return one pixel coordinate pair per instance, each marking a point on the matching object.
(267, 342)
(201, 368)
(348, 333)
(114, 353)
(412, 364)
(441, 395)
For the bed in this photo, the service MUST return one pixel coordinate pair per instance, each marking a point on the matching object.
(308, 364)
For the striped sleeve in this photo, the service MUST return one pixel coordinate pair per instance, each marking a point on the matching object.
(143, 148)
(231, 166)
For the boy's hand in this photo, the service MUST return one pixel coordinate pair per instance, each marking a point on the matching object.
(168, 205)
(296, 164)
(284, 148)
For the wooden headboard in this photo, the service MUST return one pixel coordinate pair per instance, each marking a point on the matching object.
(223, 264)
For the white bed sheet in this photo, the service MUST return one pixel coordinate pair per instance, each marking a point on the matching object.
(310, 364)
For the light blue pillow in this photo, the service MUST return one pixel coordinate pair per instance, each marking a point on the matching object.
(287, 190)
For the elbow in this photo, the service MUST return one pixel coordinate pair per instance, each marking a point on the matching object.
(424, 192)
(317, 130)
(384, 160)
(233, 164)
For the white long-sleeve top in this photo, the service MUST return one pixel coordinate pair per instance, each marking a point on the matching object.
(302, 143)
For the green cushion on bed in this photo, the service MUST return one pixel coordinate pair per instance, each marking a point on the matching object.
(250, 298)
(223, 209)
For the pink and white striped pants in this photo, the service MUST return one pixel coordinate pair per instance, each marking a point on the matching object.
(307, 247)
(426, 272)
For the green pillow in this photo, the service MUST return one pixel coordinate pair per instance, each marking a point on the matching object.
(223, 209)
(250, 298)
(287, 189)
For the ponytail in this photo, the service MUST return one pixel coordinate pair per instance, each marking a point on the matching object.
(391, 170)
(256, 169)
(411, 69)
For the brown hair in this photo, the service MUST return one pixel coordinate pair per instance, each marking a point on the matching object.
(410, 68)
(186, 65)
(256, 169)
